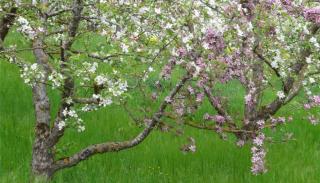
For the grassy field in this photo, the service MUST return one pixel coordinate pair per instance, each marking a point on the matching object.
(158, 159)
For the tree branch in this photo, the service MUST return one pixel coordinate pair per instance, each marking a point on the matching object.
(68, 86)
(118, 146)
(291, 86)
(218, 107)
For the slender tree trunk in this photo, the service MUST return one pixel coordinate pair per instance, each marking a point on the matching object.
(42, 157)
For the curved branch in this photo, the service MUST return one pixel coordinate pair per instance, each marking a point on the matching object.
(118, 146)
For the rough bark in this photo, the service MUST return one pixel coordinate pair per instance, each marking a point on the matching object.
(42, 157)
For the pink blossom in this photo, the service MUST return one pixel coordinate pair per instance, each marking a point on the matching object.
(219, 119)
(307, 106)
(199, 97)
(313, 14)
(207, 117)
(167, 69)
(258, 141)
(168, 100)
(182, 52)
(313, 120)
(240, 143)
(281, 120)
(258, 161)
(180, 110)
(214, 41)
(190, 90)
(200, 63)
(316, 99)
(260, 124)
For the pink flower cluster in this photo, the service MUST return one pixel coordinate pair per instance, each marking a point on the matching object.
(313, 120)
(214, 41)
(182, 52)
(167, 69)
(313, 14)
(278, 120)
(217, 118)
(314, 101)
(258, 155)
(199, 97)
(235, 68)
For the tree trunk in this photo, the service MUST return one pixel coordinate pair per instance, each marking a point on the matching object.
(42, 157)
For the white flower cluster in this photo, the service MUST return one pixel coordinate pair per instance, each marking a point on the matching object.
(25, 27)
(101, 79)
(119, 88)
(88, 108)
(56, 79)
(103, 101)
(315, 43)
(281, 95)
(115, 88)
(68, 114)
(32, 74)
(86, 71)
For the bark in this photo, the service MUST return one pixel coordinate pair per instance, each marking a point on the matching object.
(42, 157)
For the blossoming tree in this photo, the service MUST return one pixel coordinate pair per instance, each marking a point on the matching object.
(226, 41)
(86, 50)
(88, 78)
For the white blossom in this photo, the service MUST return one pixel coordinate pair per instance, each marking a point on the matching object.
(61, 125)
(274, 64)
(81, 128)
(157, 10)
(125, 48)
(281, 95)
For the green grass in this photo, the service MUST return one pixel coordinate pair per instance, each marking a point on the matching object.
(158, 159)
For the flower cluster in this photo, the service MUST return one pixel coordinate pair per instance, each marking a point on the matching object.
(56, 78)
(258, 155)
(167, 69)
(25, 28)
(312, 14)
(314, 103)
(213, 41)
(71, 118)
(32, 74)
